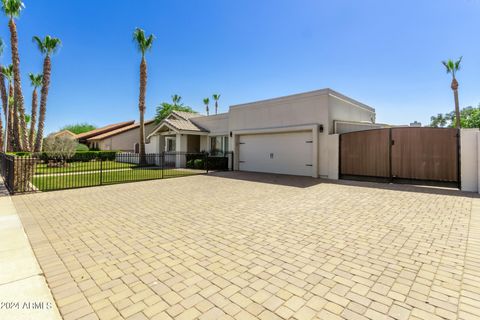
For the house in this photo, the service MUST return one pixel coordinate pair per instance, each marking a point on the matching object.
(286, 135)
(125, 138)
(83, 137)
(64, 134)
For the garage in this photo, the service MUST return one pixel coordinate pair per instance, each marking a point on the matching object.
(284, 153)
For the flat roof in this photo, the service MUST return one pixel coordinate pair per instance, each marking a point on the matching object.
(326, 91)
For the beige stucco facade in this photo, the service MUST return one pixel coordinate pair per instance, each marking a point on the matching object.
(124, 141)
(313, 113)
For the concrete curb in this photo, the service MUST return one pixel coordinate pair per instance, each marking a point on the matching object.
(24, 293)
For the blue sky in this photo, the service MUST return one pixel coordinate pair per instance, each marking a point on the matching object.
(384, 53)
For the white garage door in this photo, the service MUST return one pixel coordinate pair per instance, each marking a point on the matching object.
(286, 153)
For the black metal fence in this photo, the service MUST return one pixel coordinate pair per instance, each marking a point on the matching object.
(41, 172)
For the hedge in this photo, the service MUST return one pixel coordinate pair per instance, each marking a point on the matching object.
(214, 163)
(79, 155)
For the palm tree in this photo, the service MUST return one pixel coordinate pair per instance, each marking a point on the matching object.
(36, 82)
(12, 9)
(144, 44)
(2, 46)
(216, 97)
(176, 100)
(206, 101)
(47, 47)
(7, 100)
(452, 67)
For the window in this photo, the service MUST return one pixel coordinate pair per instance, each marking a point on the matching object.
(170, 144)
(218, 145)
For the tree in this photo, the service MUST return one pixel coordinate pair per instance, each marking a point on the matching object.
(469, 118)
(2, 46)
(47, 46)
(60, 148)
(3, 93)
(12, 9)
(452, 67)
(216, 97)
(36, 82)
(206, 101)
(144, 44)
(7, 73)
(165, 108)
(79, 128)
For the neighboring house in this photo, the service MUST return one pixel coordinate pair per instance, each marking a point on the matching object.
(125, 138)
(64, 133)
(83, 137)
(287, 135)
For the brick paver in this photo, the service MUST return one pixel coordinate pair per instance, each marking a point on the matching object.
(224, 247)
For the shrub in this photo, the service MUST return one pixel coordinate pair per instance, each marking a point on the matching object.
(91, 155)
(59, 148)
(82, 147)
(198, 164)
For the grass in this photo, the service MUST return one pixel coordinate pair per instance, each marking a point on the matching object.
(47, 183)
(83, 166)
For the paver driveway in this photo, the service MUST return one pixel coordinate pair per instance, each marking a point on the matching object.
(222, 247)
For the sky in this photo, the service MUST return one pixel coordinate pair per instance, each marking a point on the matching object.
(386, 54)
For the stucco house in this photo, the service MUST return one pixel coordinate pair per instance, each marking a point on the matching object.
(286, 135)
(83, 137)
(125, 138)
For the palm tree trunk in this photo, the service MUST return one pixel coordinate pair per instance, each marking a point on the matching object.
(3, 92)
(11, 137)
(457, 109)
(33, 119)
(141, 107)
(43, 103)
(16, 125)
(216, 107)
(18, 95)
(1, 134)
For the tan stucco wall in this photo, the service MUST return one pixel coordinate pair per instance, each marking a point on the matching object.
(124, 141)
(216, 124)
(318, 107)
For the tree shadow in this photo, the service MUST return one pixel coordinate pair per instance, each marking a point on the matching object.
(307, 182)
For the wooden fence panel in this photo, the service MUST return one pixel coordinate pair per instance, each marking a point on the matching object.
(425, 154)
(365, 153)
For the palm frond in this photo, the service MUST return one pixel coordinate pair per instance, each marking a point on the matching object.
(12, 8)
(143, 42)
(35, 79)
(40, 44)
(457, 63)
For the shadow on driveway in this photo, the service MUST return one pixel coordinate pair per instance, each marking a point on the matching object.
(306, 182)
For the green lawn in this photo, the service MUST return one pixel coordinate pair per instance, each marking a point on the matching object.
(46, 183)
(83, 166)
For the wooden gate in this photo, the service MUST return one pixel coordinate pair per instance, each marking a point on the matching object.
(401, 154)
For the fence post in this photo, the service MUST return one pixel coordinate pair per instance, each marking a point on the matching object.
(101, 170)
(206, 161)
(162, 162)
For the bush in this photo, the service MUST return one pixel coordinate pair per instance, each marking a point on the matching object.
(90, 155)
(198, 164)
(82, 147)
(59, 148)
(214, 163)
(20, 154)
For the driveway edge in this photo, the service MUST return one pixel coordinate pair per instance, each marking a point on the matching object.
(24, 293)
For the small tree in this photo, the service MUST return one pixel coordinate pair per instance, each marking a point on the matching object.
(79, 128)
(60, 148)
